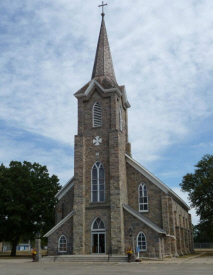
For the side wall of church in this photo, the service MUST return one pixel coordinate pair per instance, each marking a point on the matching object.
(152, 238)
(64, 206)
(53, 240)
(183, 229)
(177, 223)
(134, 178)
(163, 211)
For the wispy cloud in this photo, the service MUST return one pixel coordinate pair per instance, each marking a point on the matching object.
(163, 54)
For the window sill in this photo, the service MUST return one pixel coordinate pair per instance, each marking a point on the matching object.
(144, 211)
(93, 205)
(97, 202)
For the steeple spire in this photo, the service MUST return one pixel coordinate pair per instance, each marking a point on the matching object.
(103, 65)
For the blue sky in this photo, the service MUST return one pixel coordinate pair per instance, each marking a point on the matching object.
(162, 52)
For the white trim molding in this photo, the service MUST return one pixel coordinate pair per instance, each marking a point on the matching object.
(144, 219)
(117, 90)
(59, 224)
(155, 180)
(65, 189)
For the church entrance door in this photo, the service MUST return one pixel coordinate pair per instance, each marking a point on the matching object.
(98, 236)
(98, 243)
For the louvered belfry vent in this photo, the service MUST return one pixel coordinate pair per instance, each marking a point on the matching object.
(97, 120)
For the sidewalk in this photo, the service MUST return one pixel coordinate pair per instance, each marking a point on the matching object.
(194, 259)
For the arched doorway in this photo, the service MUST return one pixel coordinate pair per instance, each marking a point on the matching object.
(98, 236)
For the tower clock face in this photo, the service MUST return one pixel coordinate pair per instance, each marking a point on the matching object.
(97, 140)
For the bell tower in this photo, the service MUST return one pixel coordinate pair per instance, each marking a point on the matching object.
(100, 184)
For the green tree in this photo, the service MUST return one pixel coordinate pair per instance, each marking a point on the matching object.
(27, 201)
(199, 186)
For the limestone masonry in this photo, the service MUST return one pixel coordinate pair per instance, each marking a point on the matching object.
(112, 202)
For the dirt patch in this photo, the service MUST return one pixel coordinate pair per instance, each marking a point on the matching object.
(206, 254)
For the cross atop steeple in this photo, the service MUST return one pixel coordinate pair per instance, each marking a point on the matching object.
(102, 8)
(103, 65)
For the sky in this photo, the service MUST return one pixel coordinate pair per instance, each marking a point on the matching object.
(162, 51)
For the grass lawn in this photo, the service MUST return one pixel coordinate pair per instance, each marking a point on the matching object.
(20, 254)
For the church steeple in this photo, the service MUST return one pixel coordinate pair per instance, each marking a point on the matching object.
(103, 65)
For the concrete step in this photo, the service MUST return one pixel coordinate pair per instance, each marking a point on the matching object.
(84, 258)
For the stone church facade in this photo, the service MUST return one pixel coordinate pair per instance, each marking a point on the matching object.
(112, 201)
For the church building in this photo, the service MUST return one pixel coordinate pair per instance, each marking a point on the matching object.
(112, 201)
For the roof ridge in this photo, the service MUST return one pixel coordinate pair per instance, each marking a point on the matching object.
(59, 224)
(144, 219)
(157, 181)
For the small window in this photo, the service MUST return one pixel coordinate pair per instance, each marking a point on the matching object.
(98, 183)
(120, 120)
(97, 115)
(141, 241)
(62, 244)
(143, 198)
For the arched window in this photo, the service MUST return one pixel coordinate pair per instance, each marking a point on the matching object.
(120, 119)
(98, 236)
(98, 185)
(97, 115)
(141, 241)
(143, 198)
(62, 244)
(98, 225)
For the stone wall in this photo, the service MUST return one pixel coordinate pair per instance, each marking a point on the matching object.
(64, 206)
(111, 153)
(67, 230)
(134, 178)
(154, 245)
(183, 229)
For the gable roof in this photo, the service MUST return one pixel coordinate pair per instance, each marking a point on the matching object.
(106, 85)
(155, 180)
(65, 189)
(59, 224)
(144, 219)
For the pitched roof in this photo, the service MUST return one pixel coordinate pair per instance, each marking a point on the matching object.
(103, 65)
(104, 81)
(65, 189)
(106, 85)
(144, 219)
(59, 224)
(155, 180)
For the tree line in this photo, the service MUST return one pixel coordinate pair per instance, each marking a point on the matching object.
(199, 186)
(27, 201)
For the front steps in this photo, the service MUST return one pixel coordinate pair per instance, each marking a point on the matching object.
(84, 258)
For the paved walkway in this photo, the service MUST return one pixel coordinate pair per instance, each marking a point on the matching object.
(194, 265)
(194, 259)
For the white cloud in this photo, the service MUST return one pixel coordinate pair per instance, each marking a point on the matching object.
(163, 54)
(15, 146)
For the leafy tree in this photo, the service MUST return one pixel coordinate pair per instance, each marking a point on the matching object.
(27, 201)
(199, 186)
(201, 233)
